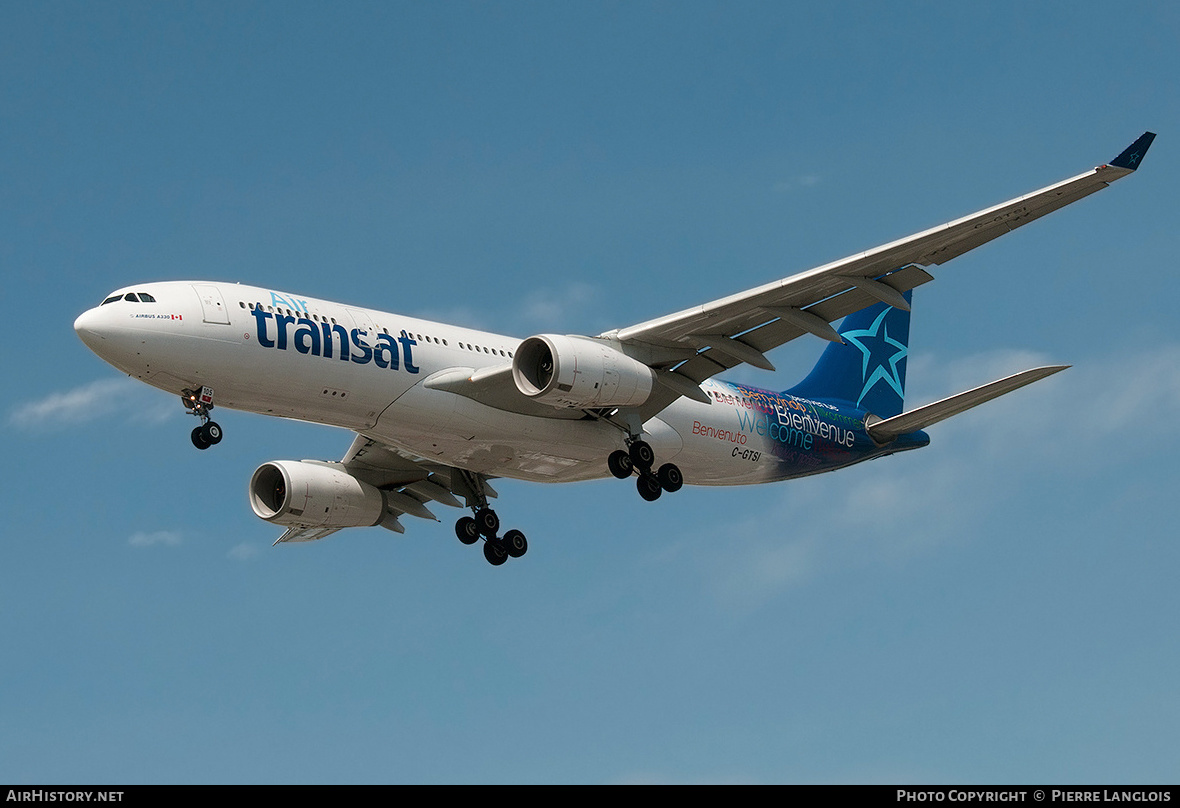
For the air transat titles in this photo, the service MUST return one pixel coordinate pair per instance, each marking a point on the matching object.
(332, 339)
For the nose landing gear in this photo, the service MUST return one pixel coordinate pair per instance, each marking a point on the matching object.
(199, 403)
(639, 458)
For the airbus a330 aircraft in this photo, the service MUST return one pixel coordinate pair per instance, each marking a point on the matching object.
(440, 410)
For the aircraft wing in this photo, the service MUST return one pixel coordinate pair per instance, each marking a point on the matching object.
(697, 343)
(408, 482)
(690, 346)
(301, 534)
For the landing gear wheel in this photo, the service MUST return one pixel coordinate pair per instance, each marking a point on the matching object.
(487, 522)
(670, 477)
(466, 530)
(649, 486)
(620, 464)
(212, 432)
(642, 455)
(199, 439)
(514, 543)
(494, 552)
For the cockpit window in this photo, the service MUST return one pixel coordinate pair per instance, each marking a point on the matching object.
(134, 297)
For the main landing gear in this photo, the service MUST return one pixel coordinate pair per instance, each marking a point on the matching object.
(639, 459)
(199, 403)
(484, 524)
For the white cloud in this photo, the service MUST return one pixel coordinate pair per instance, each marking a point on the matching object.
(549, 308)
(543, 309)
(168, 538)
(1128, 391)
(465, 316)
(1061, 418)
(857, 516)
(244, 551)
(794, 183)
(900, 508)
(89, 402)
(81, 404)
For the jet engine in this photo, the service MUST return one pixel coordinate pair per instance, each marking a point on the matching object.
(567, 371)
(308, 494)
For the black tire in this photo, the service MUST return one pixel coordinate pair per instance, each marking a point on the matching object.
(487, 522)
(515, 543)
(642, 455)
(620, 464)
(212, 432)
(494, 552)
(199, 439)
(670, 477)
(466, 530)
(649, 487)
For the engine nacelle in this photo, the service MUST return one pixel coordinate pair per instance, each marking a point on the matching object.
(302, 494)
(579, 372)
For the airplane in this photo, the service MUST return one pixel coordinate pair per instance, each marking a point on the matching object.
(439, 411)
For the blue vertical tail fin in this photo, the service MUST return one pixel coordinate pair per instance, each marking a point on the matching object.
(868, 368)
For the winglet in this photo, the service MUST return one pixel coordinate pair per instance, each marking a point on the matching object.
(1132, 156)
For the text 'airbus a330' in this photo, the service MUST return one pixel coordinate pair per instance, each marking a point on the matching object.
(440, 410)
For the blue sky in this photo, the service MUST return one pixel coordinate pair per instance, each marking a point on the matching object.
(999, 607)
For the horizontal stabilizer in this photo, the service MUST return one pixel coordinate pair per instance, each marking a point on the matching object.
(912, 421)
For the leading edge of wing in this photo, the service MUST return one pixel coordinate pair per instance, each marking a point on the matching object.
(737, 314)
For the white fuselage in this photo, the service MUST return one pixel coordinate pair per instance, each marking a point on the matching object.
(277, 354)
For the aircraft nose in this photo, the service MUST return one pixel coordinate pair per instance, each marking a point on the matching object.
(89, 327)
